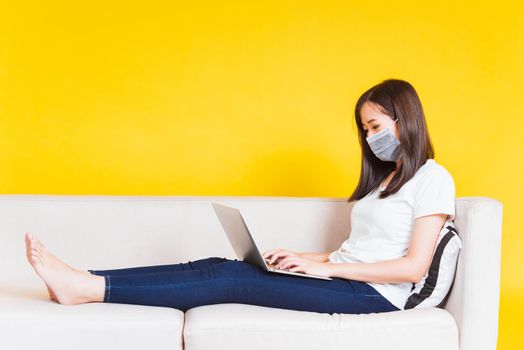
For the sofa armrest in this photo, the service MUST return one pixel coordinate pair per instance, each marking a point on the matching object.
(475, 294)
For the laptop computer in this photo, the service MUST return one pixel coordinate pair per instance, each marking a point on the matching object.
(243, 244)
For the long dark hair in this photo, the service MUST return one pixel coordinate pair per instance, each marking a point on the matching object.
(397, 99)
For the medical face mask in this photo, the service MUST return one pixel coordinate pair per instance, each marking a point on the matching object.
(385, 145)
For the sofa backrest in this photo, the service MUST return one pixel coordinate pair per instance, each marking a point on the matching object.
(105, 232)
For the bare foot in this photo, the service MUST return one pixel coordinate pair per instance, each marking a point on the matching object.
(65, 284)
(52, 295)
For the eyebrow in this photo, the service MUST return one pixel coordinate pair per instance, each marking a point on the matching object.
(369, 121)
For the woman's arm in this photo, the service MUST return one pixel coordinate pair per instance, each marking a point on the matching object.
(410, 268)
(283, 254)
(389, 271)
(321, 257)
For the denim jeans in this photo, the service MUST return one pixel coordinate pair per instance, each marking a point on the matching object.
(217, 280)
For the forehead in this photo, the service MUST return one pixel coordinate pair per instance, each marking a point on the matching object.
(370, 112)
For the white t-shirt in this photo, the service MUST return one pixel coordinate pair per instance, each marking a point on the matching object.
(381, 228)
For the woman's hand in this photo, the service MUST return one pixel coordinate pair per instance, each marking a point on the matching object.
(307, 266)
(276, 254)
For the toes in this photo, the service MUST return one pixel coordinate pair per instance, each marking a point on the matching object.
(27, 242)
(35, 258)
(28, 238)
(38, 245)
(33, 245)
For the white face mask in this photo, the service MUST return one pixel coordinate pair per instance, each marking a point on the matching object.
(385, 145)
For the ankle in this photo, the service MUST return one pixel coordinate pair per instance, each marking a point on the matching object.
(97, 289)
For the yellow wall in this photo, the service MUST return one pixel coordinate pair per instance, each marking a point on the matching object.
(224, 98)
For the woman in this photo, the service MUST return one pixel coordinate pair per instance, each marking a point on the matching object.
(403, 199)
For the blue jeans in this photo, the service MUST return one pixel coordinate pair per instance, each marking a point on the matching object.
(220, 280)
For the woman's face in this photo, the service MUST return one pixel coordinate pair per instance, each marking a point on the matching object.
(373, 120)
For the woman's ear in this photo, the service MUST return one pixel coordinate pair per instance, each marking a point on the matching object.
(395, 129)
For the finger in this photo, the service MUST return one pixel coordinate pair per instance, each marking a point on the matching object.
(275, 257)
(268, 253)
(284, 254)
(282, 263)
(288, 261)
(295, 262)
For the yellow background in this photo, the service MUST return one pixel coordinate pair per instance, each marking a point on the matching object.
(229, 98)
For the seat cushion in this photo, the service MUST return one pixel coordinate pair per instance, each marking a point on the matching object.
(29, 320)
(241, 326)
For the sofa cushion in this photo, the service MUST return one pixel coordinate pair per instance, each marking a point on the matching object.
(433, 288)
(240, 326)
(29, 320)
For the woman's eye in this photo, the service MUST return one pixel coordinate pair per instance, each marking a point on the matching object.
(375, 127)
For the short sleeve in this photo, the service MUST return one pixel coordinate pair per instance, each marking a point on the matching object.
(435, 195)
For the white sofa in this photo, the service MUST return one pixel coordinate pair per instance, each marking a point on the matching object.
(105, 232)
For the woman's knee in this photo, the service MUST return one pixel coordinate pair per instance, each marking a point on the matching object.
(217, 259)
(206, 262)
(235, 268)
